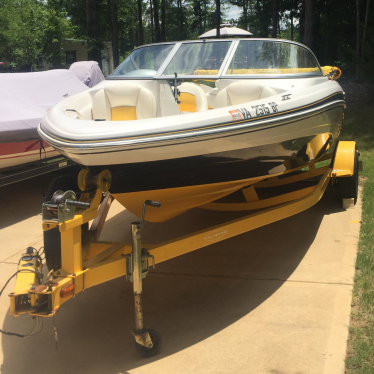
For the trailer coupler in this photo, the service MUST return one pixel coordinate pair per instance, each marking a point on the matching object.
(24, 297)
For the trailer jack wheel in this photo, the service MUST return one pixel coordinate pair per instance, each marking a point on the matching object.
(156, 344)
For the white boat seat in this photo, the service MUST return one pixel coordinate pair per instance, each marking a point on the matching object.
(123, 102)
(192, 98)
(242, 92)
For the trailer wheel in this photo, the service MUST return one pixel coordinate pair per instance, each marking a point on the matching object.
(347, 187)
(52, 238)
(156, 341)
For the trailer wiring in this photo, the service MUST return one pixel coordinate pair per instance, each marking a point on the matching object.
(38, 326)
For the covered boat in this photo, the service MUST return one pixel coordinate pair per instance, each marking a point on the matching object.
(25, 97)
(187, 123)
(88, 72)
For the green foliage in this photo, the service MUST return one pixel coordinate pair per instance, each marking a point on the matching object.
(56, 28)
(30, 30)
(359, 125)
(34, 29)
(334, 30)
(20, 31)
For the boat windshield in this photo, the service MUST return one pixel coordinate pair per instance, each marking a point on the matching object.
(198, 58)
(272, 57)
(212, 58)
(143, 62)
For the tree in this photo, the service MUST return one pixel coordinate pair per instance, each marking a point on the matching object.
(302, 22)
(163, 25)
(56, 28)
(33, 29)
(275, 20)
(157, 22)
(309, 21)
(94, 50)
(366, 24)
(245, 5)
(218, 20)
(358, 27)
(140, 22)
(114, 19)
(198, 16)
(30, 30)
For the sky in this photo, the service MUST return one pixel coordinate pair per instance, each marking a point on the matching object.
(233, 12)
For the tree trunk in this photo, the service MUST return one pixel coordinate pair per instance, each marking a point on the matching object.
(93, 52)
(205, 15)
(140, 20)
(157, 21)
(275, 20)
(302, 22)
(308, 30)
(163, 28)
(358, 39)
(365, 27)
(245, 15)
(180, 13)
(115, 32)
(152, 33)
(218, 18)
(265, 28)
(291, 25)
(200, 15)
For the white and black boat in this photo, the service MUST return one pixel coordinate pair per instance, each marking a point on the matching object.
(187, 123)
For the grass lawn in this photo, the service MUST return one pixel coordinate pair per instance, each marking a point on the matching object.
(359, 125)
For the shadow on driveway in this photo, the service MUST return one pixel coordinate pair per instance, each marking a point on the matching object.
(187, 299)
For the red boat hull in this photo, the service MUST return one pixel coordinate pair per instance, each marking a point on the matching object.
(15, 154)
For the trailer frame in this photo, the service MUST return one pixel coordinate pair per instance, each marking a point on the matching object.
(92, 262)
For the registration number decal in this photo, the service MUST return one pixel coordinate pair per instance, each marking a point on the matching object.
(259, 110)
(235, 115)
(241, 113)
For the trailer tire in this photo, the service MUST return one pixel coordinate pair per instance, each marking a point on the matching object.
(52, 237)
(156, 341)
(347, 187)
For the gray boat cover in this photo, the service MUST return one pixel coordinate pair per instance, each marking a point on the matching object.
(88, 72)
(25, 97)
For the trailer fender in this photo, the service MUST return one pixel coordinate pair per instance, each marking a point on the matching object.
(344, 159)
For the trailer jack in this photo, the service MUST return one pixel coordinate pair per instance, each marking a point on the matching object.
(147, 341)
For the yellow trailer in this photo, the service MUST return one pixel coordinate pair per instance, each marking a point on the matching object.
(85, 261)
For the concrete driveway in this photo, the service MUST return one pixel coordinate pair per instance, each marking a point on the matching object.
(275, 300)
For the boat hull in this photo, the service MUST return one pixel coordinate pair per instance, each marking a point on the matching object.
(185, 183)
(317, 118)
(19, 153)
